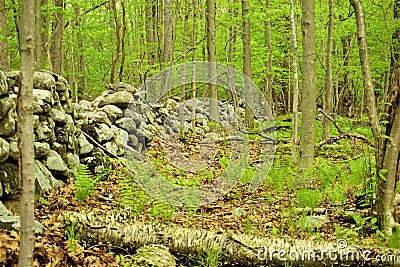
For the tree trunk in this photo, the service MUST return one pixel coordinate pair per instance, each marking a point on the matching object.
(366, 71)
(168, 32)
(38, 36)
(344, 102)
(248, 118)
(268, 63)
(58, 35)
(212, 57)
(390, 162)
(295, 83)
(151, 37)
(234, 249)
(122, 63)
(25, 132)
(4, 59)
(230, 60)
(328, 77)
(118, 40)
(308, 103)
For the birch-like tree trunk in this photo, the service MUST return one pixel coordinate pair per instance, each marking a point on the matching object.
(295, 83)
(235, 249)
(25, 132)
(328, 76)
(308, 103)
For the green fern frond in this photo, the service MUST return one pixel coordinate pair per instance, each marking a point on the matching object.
(84, 184)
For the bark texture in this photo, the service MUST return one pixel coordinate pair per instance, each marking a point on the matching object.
(212, 57)
(308, 102)
(25, 132)
(240, 249)
(4, 59)
(295, 83)
(248, 118)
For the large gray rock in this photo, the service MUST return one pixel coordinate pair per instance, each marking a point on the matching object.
(94, 117)
(44, 81)
(3, 83)
(6, 105)
(9, 178)
(73, 162)
(59, 117)
(44, 178)
(121, 99)
(104, 133)
(3, 210)
(4, 150)
(44, 132)
(44, 95)
(14, 150)
(84, 146)
(113, 112)
(7, 117)
(13, 223)
(127, 124)
(41, 149)
(54, 162)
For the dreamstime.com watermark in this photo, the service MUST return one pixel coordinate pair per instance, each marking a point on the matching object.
(342, 253)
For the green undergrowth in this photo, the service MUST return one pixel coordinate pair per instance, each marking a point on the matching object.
(342, 176)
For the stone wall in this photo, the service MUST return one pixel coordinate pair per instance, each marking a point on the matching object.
(66, 133)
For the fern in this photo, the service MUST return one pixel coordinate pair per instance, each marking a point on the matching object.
(84, 184)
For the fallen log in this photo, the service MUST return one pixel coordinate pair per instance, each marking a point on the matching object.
(236, 249)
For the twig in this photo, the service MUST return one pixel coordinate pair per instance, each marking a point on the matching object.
(345, 135)
(331, 119)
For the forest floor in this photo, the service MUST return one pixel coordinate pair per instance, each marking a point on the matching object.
(331, 212)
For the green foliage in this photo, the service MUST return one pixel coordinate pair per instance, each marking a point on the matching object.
(84, 183)
(123, 261)
(394, 240)
(73, 238)
(209, 258)
(308, 198)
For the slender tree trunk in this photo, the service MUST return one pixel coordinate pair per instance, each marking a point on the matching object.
(295, 83)
(168, 32)
(25, 132)
(365, 65)
(122, 63)
(308, 103)
(231, 54)
(151, 37)
(390, 162)
(118, 40)
(184, 51)
(248, 118)
(58, 35)
(4, 59)
(328, 77)
(212, 57)
(80, 20)
(194, 58)
(38, 32)
(268, 63)
(345, 103)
